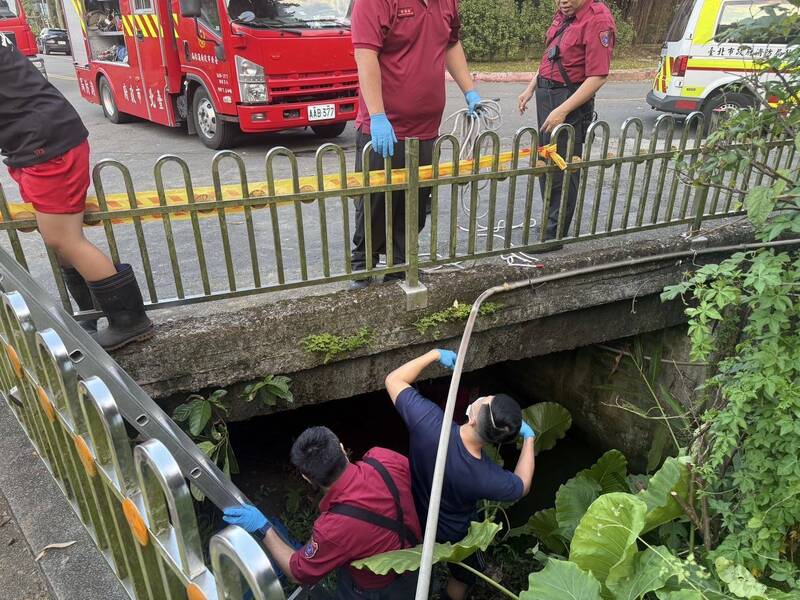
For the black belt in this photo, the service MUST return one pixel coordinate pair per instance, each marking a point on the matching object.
(551, 84)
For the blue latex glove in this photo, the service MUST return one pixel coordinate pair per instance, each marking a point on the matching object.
(382, 133)
(247, 517)
(526, 431)
(473, 99)
(447, 358)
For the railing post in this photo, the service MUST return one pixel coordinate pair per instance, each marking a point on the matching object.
(416, 293)
(700, 196)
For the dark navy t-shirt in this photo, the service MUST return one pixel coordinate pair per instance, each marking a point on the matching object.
(466, 479)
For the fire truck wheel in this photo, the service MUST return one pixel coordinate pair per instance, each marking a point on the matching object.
(329, 131)
(212, 131)
(108, 103)
(717, 108)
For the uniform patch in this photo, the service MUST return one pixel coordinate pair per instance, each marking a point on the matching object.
(405, 12)
(605, 38)
(311, 548)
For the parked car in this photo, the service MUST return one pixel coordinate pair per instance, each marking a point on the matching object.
(53, 40)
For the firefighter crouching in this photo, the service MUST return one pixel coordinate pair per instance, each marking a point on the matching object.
(574, 67)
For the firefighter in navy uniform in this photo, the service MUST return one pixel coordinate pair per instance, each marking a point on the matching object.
(575, 65)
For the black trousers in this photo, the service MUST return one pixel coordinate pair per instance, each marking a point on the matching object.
(548, 99)
(378, 206)
(402, 588)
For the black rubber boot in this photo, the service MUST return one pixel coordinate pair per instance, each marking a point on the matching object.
(79, 291)
(120, 298)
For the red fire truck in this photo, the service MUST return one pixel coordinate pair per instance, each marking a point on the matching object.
(217, 66)
(14, 25)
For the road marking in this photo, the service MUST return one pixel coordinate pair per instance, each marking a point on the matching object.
(64, 77)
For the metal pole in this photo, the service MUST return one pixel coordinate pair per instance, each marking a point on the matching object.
(426, 564)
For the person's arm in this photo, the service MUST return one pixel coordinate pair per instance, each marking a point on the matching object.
(527, 94)
(582, 95)
(279, 551)
(526, 465)
(404, 376)
(457, 67)
(369, 79)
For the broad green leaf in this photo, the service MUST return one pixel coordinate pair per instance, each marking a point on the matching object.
(605, 540)
(550, 421)
(572, 501)
(479, 537)
(207, 447)
(199, 416)
(561, 580)
(760, 202)
(181, 412)
(739, 580)
(681, 595)
(661, 506)
(610, 471)
(651, 569)
(197, 493)
(544, 525)
(661, 442)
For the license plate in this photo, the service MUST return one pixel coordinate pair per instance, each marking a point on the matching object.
(63, 43)
(321, 112)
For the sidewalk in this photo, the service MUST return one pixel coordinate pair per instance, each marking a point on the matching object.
(20, 576)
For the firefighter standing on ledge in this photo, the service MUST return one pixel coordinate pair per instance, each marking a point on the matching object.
(576, 62)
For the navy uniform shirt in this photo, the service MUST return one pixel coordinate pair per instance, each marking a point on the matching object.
(467, 479)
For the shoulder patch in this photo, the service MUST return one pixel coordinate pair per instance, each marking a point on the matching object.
(310, 551)
(605, 38)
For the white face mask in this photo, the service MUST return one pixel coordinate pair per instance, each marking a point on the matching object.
(489, 404)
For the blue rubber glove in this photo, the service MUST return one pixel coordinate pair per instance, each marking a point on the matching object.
(473, 99)
(382, 133)
(247, 517)
(447, 358)
(526, 431)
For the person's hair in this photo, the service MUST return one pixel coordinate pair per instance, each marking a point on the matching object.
(506, 415)
(318, 455)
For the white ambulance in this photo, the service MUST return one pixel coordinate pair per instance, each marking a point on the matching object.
(700, 68)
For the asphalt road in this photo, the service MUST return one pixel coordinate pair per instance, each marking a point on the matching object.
(138, 145)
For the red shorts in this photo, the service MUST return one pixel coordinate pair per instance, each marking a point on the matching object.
(57, 186)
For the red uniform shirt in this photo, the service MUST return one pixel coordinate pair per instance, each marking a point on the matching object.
(411, 39)
(337, 540)
(585, 46)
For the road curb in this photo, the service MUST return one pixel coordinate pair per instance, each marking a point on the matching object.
(526, 76)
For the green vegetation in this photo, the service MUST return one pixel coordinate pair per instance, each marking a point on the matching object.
(203, 419)
(270, 391)
(332, 346)
(451, 314)
(640, 57)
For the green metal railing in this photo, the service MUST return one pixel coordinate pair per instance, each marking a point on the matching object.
(135, 502)
(296, 232)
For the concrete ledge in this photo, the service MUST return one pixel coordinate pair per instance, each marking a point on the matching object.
(221, 345)
(79, 572)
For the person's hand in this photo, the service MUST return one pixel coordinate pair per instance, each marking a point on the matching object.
(524, 98)
(526, 431)
(447, 358)
(382, 133)
(247, 517)
(473, 99)
(556, 117)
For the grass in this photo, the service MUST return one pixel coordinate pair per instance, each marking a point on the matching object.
(636, 57)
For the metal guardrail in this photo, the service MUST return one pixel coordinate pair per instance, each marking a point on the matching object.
(291, 233)
(74, 402)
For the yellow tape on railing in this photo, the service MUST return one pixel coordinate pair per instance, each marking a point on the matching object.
(135, 521)
(45, 403)
(283, 187)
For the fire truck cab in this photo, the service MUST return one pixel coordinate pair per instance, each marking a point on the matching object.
(219, 67)
(14, 26)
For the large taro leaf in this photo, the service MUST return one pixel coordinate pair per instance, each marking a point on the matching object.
(544, 525)
(561, 580)
(661, 506)
(550, 421)
(681, 595)
(479, 537)
(605, 540)
(651, 570)
(572, 501)
(610, 471)
(739, 580)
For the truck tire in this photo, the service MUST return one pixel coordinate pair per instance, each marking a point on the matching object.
(329, 131)
(108, 103)
(212, 131)
(714, 108)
